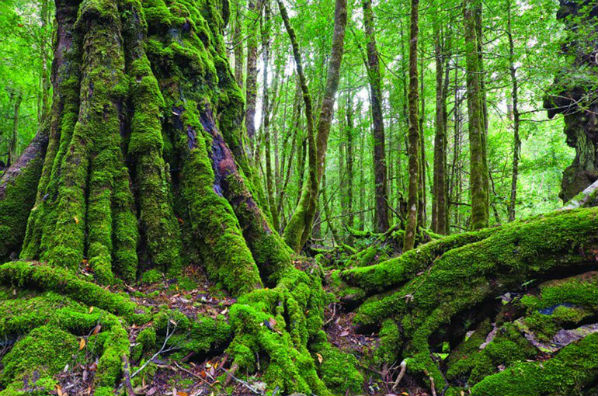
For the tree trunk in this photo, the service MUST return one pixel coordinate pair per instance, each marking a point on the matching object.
(478, 165)
(422, 198)
(252, 23)
(238, 42)
(439, 196)
(266, 107)
(414, 168)
(350, 220)
(299, 227)
(373, 69)
(13, 143)
(44, 45)
(516, 116)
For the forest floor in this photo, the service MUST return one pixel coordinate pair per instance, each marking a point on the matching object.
(196, 375)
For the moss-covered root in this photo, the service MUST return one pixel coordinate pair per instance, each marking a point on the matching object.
(46, 351)
(563, 242)
(572, 369)
(51, 328)
(38, 276)
(276, 327)
(393, 272)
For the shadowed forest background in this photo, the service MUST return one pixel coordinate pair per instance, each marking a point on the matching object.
(298, 197)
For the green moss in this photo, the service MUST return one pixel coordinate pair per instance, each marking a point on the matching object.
(573, 368)
(507, 348)
(580, 290)
(162, 239)
(44, 277)
(278, 324)
(152, 276)
(18, 199)
(46, 350)
(458, 280)
(545, 326)
(202, 335)
(389, 347)
(398, 270)
(145, 342)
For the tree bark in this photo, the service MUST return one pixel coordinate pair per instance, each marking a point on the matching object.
(350, 220)
(238, 42)
(373, 69)
(516, 116)
(439, 196)
(266, 116)
(479, 189)
(13, 143)
(414, 168)
(252, 22)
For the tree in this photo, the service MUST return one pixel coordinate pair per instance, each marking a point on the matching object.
(440, 188)
(373, 69)
(414, 138)
(253, 20)
(516, 116)
(299, 227)
(475, 108)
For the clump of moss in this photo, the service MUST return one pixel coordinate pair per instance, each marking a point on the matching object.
(581, 291)
(459, 278)
(15, 205)
(389, 346)
(44, 277)
(507, 348)
(573, 368)
(337, 369)
(42, 353)
(152, 276)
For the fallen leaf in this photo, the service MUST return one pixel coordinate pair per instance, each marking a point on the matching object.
(76, 219)
(91, 309)
(320, 358)
(82, 343)
(59, 390)
(97, 329)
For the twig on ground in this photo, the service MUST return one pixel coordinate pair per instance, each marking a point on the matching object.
(163, 349)
(244, 383)
(403, 367)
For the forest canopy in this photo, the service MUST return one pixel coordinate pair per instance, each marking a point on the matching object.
(273, 197)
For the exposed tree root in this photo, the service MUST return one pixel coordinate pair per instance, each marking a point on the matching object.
(446, 287)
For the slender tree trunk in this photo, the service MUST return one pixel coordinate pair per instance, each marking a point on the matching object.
(362, 201)
(350, 220)
(13, 144)
(478, 166)
(439, 197)
(414, 169)
(422, 196)
(299, 228)
(266, 116)
(238, 42)
(326, 204)
(252, 23)
(45, 37)
(373, 68)
(515, 114)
